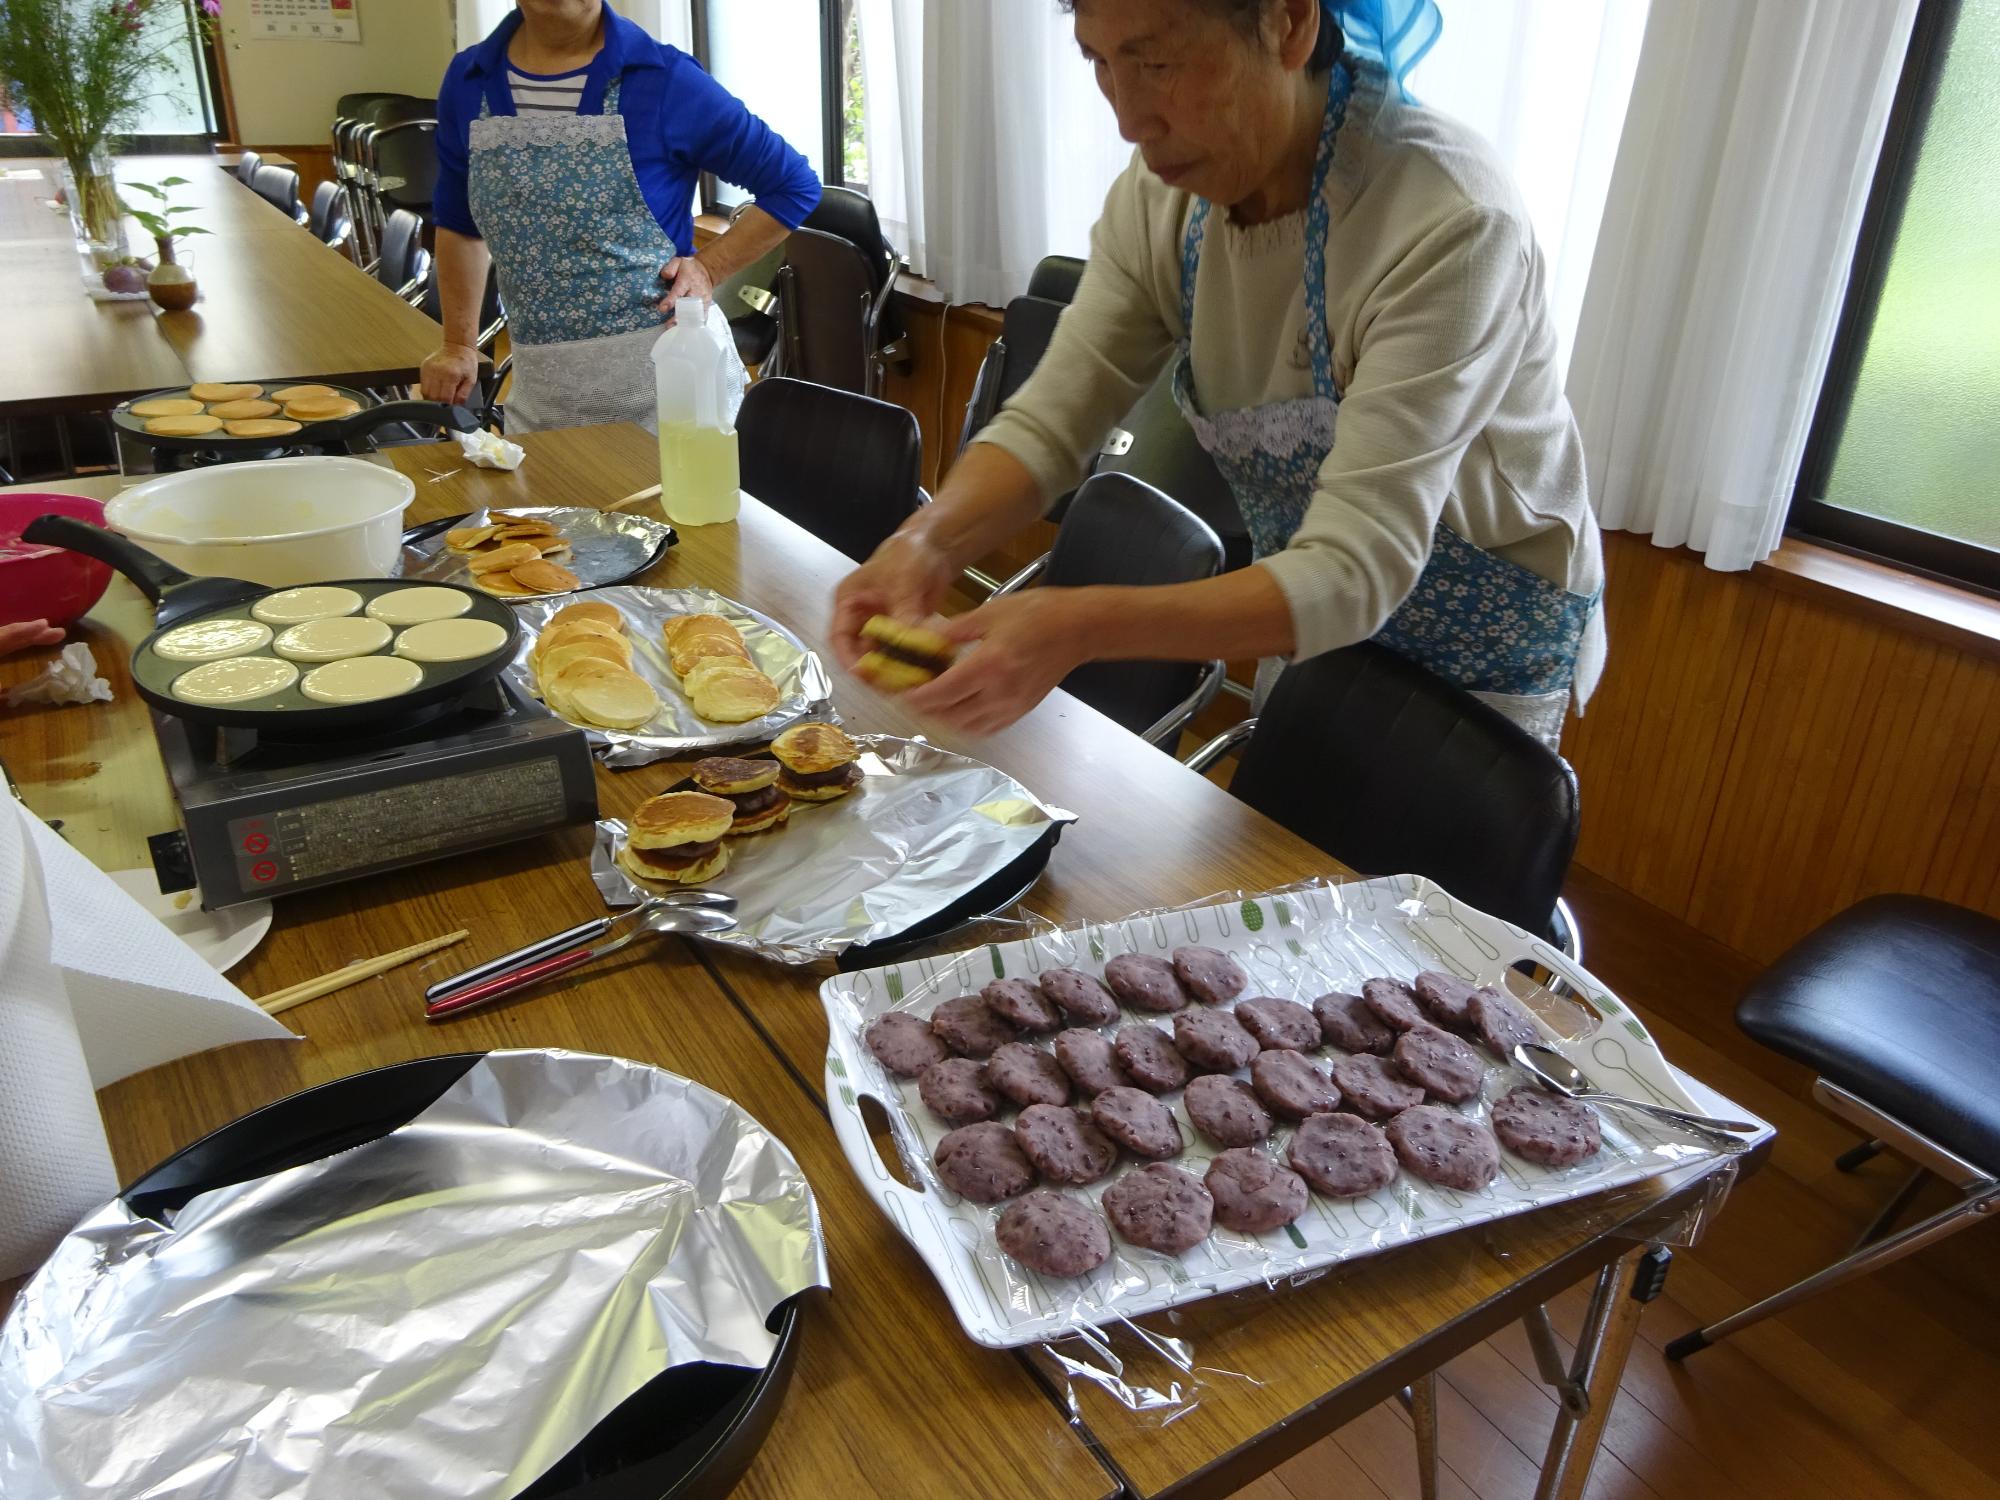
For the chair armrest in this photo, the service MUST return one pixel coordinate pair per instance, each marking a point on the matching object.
(1177, 718)
(1023, 578)
(1221, 745)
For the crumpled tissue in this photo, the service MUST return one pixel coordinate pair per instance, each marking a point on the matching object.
(489, 450)
(70, 678)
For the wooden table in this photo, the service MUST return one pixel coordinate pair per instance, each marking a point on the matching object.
(275, 303)
(1151, 833)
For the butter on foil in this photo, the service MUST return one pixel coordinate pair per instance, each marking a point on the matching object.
(805, 691)
(924, 827)
(445, 1311)
(605, 546)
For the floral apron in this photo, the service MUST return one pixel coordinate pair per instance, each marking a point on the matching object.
(1476, 619)
(578, 255)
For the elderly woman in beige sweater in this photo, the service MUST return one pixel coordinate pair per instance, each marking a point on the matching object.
(1350, 295)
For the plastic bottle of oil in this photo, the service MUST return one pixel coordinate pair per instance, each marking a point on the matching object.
(699, 474)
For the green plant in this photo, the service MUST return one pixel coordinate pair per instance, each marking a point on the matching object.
(160, 223)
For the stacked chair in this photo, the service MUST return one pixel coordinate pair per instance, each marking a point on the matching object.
(836, 322)
(383, 160)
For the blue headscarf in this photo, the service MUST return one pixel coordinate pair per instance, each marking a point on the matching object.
(1392, 34)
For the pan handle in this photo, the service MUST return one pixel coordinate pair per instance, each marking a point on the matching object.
(154, 575)
(426, 413)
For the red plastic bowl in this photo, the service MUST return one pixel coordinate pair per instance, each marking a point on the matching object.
(47, 583)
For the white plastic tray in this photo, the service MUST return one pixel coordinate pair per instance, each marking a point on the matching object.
(1296, 944)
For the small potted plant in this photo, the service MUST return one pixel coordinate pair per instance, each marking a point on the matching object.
(171, 282)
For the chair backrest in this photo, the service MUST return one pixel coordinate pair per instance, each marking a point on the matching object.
(1055, 278)
(279, 187)
(403, 257)
(851, 216)
(844, 466)
(328, 217)
(1026, 328)
(406, 164)
(1391, 769)
(827, 288)
(246, 167)
(1120, 531)
(1166, 454)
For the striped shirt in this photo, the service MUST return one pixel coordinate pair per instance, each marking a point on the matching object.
(551, 93)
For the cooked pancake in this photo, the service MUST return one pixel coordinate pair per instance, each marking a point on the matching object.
(183, 426)
(240, 679)
(414, 606)
(584, 648)
(673, 630)
(587, 609)
(450, 640)
(612, 648)
(212, 640)
(502, 559)
(676, 818)
(502, 585)
(810, 749)
(465, 538)
(757, 812)
(904, 656)
(610, 697)
(304, 393)
(361, 679)
(675, 870)
(695, 649)
(210, 390)
(733, 697)
(321, 408)
(825, 786)
(723, 775)
(313, 602)
(712, 669)
(166, 406)
(545, 577)
(256, 427)
(243, 410)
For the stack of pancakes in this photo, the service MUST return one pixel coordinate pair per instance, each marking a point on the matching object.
(721, 682)
(582, 663)
(509, 555)
(676, 839)
(242, 410)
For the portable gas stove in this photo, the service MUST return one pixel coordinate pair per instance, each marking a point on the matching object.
(264, 817)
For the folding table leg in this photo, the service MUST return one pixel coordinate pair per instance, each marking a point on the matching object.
(1421, 1397)
(1609, 1327)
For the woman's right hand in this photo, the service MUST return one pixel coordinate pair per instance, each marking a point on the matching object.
(451, 374)
(906, 579)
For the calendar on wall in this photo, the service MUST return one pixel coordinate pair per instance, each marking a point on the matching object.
(305, 20)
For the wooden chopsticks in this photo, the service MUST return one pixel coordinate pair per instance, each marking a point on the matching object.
(367, 968)
(634, 498)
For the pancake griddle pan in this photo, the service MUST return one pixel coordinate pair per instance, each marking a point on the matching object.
(689, 1433)
(181, 599)
(332, 430)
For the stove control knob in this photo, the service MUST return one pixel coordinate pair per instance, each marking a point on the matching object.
(173, 862)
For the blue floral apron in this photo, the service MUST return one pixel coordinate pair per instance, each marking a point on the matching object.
(1479, 620)
(578, 254)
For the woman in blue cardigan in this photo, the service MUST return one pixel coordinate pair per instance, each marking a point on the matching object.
(569, 144)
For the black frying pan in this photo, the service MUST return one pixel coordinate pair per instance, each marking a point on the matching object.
(181, 599)
(340, 430)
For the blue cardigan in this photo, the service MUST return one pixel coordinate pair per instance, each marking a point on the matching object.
(679, 121)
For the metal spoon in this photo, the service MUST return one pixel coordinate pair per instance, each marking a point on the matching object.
(666, 916)
(1559, 1075)
(571, 937)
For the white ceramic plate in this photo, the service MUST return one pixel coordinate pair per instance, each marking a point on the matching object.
(222, 938)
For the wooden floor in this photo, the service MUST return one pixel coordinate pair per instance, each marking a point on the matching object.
(1883, 1388)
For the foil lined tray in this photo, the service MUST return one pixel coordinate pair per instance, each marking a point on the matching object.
(455, 1303)
(924, 828)
(605, 547)
(805, 690)
(1296, 944)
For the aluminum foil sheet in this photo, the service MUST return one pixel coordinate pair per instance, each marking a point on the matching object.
(806, 690)
(604, 547)
(443, 1312)
(924, 827)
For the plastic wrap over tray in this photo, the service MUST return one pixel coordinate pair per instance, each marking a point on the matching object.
(1297, 945)
(456, 1303)
(924, 828)
(604, 547)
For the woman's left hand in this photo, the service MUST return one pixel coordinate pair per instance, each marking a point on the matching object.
(685, 276)
(1027, 644)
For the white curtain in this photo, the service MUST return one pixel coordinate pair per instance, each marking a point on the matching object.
(1745, 165)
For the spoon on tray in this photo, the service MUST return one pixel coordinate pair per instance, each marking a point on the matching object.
(1561, 1076)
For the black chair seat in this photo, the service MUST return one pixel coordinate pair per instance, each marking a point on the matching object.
(1896, 1000)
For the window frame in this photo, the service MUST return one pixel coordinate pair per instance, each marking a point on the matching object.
(1810, 517)
(832, 121)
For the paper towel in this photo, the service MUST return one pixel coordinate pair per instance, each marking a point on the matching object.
(92, 987)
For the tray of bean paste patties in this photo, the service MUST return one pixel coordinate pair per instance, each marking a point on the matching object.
(1113, 1119)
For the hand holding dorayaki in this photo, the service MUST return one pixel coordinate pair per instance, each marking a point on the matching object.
(906, 579)
(1027, 644)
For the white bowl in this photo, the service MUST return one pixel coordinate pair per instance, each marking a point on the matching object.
(278, 521)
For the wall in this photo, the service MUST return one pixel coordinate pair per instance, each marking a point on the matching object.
(284, 91)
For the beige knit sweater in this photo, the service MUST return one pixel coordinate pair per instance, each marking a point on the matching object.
(1451, 407)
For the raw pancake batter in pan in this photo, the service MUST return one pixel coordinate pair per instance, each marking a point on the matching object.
(295, 606)
(240, 679)
(450, 640)
(212, 640)
(415, 606)
(361, 679)
(332, 640)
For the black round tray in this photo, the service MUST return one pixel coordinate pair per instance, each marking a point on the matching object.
(689, 1433)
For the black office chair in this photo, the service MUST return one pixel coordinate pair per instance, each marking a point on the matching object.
(1122, 532)
(836, 311)
(845, 467)
(246, 168)
(328, 218)
(1895, 1005)
(378, 112)
(402, 159)
(404, 266)
(1390, 769)
(1026, 328)
(1054, 279)
(279, 187)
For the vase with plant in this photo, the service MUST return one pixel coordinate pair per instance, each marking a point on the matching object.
(171, 282)
(83, 69)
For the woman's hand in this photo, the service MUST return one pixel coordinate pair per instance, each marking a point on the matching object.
(450, 374)
(685, 276)
(27, 633)
(1027, 644)
(906, 579)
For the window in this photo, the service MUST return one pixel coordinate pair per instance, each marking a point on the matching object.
(177, 115)
(1904, 456)
(797, 65)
